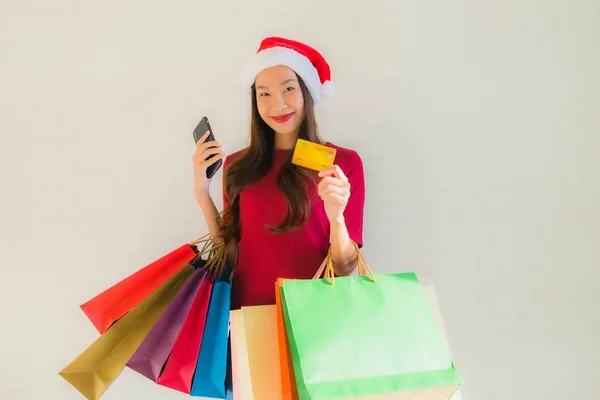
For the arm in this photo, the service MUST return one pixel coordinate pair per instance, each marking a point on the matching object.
(343, 193)
(343, 252)
(214, 223)
(212, 217)
(207, 153)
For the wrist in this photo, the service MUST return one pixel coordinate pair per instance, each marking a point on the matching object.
(337, 221)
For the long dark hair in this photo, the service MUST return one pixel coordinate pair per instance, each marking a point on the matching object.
(255, 162)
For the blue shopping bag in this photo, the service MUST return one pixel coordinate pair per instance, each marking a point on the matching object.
(211, 376)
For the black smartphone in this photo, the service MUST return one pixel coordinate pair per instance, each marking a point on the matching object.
(200, 130)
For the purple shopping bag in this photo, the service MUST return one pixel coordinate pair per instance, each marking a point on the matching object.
(152, 354)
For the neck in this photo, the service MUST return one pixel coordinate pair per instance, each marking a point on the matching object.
(285, 141)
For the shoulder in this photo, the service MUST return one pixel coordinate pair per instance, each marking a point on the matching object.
(347, 159)
(233, 156)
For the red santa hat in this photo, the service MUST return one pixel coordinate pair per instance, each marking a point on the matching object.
(307, 62)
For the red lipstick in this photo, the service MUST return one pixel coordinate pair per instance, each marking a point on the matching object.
(282, 118)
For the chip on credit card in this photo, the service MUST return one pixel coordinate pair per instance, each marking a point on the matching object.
(312, 155)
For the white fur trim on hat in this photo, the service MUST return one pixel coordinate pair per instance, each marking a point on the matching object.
(300, 64)
(327, 90)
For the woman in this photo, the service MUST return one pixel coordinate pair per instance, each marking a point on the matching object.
(279, 219)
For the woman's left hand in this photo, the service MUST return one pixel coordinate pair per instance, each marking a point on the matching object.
(334, 190)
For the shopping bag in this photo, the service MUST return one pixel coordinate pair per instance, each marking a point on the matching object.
(229, 374)
(151, 356)
(430, 295)
(288, 381)
(257, 352)
(99, 365)
(211, 369)
(366, 335)
(180, 367)
(111, 304)
(242, 381)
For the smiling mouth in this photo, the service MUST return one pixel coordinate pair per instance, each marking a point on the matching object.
(282, 118)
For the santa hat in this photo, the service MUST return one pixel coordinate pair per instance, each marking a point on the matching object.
(307, 62)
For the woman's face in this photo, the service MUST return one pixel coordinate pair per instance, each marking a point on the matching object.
(279, 99)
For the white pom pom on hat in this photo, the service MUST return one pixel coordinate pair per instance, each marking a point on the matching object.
(307, 62)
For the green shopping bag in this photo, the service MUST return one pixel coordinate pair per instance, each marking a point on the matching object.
(366, 336)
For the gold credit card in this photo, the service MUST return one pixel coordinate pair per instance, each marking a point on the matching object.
(312, 155)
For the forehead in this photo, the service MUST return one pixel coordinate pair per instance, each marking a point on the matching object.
(273, 76)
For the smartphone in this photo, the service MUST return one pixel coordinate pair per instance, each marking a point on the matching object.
(200, 130)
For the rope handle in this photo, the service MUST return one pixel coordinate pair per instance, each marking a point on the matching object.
(217, 255)
(326, 269)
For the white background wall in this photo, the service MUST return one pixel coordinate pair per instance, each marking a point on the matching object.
(479, 126)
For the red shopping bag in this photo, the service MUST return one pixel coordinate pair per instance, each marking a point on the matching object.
(178, 373)
(110, 305)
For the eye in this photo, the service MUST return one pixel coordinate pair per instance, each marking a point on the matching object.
(289, 89)
(264, 94)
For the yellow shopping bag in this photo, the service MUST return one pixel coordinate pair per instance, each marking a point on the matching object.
(99, 365)
(255, 353)
(240, 365)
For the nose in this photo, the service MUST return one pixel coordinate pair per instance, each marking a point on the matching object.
(278, 102)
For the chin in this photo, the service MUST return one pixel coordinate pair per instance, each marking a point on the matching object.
(288, 128)
(285, 130)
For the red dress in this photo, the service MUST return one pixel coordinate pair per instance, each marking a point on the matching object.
(265, 256)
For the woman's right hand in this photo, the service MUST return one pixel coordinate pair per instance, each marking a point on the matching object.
(204, 150)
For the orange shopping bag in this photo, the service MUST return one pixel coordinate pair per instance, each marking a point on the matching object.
(288, 380)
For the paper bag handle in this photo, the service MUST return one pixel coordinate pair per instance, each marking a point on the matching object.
(215, 265)
(326, 269)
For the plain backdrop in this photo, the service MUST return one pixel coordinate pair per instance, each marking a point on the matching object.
(478, 123)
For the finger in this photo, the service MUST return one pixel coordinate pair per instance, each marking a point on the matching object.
(201, 157)
(325, 172)
(202, 138)
(339, 173)
(334, 170)
(337, 182)
(343, 196)
(326, 186)
(335, 198)
(208, 145)
(331, 181)
(340, 191)
(211, 161)
(321, 188)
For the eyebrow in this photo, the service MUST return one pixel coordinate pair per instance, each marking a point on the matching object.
(282, 83)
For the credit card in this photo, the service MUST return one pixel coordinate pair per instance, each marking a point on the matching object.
(312, 155)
